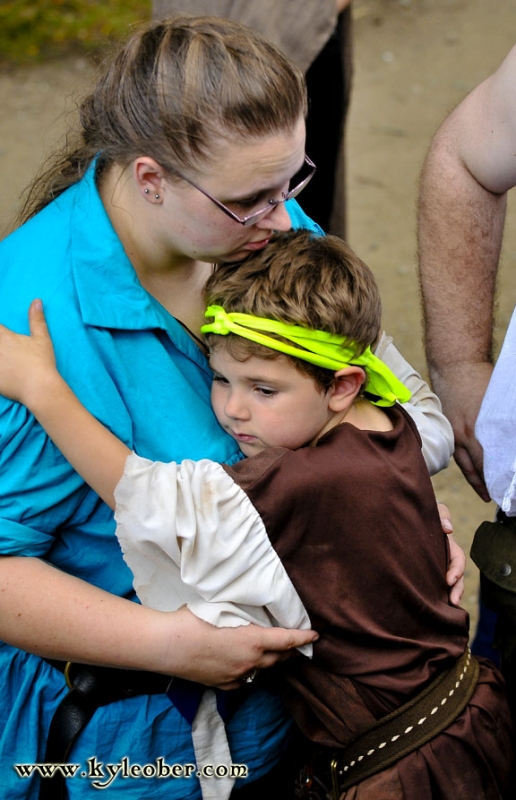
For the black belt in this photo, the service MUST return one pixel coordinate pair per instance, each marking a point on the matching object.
(90, 688)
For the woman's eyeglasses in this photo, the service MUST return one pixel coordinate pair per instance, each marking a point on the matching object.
(300, 180)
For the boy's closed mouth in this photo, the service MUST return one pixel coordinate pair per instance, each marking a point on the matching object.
(243, 437)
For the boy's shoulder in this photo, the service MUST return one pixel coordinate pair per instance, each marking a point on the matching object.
(249, 471)
(344, 451)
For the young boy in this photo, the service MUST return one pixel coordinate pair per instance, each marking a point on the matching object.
(332, 523)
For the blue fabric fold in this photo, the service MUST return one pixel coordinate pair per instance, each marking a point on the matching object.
(186, 697)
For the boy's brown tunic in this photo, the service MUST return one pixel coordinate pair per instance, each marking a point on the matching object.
(355, 522)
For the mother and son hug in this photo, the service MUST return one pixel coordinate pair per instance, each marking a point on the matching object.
(330, 523)
(219, 541)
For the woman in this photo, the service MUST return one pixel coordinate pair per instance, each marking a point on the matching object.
(189, 144)
(325, 56)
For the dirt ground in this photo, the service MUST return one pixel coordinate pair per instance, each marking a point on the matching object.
(414, 61)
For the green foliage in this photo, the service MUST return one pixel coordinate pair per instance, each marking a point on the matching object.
(31, 30)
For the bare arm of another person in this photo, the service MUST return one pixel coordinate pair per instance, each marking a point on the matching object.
(50, 613)
(469, 169)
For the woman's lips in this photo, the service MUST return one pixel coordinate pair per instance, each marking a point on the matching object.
(257, 245)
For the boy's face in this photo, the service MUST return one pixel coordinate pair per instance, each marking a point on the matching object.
(264, 403)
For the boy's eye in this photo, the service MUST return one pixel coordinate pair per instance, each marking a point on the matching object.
(265, 391)
(219, 379)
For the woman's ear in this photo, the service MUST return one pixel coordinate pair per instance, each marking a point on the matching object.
(347, 385)
(149, 177)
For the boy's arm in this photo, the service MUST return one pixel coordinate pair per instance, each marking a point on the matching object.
(28, 374)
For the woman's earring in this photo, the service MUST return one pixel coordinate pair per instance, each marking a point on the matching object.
(156, 196)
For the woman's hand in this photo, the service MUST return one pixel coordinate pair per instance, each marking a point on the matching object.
(26, 362)
(224, 657)
(457, 565)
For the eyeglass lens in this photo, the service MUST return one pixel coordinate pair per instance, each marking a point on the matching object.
(296, 184)
(300, 179)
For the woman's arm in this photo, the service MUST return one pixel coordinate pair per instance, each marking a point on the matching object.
(424, 407)
(28, 374)
(55, 615)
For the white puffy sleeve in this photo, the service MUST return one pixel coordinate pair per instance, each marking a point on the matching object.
(191, 536)
(424, 408)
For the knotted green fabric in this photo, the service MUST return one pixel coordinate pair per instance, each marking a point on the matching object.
(318, 347)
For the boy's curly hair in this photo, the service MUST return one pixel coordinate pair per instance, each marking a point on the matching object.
(313, 281)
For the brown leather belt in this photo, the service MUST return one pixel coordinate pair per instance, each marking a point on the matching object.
(409, 727)
(394, 736)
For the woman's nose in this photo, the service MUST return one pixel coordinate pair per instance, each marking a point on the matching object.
(277, 220)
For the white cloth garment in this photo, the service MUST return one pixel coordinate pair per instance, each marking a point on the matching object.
(189, 525)
(496, 426)
(211, 747)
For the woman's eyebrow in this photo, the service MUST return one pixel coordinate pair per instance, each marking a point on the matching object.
(267, 192)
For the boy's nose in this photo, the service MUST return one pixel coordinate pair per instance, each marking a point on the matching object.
(235, 407)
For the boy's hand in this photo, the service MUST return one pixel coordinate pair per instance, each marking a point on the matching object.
(27, 363)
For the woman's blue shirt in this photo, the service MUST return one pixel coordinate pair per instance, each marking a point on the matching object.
(136, 369)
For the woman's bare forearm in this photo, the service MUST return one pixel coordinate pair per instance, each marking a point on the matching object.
(55, 615)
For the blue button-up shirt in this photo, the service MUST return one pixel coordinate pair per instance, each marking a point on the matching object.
(135, 368)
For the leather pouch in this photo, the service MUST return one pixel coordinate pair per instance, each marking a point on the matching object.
(494, 552)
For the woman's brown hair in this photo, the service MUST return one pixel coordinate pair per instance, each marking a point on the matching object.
(170, 92)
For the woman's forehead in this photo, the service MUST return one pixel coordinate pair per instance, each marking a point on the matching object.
(237, 160)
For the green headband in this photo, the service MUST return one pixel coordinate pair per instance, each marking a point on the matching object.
(319, 348)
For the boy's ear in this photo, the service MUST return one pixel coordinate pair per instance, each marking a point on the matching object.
(348, 382)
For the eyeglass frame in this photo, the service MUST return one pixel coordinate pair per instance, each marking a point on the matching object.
(251, 219)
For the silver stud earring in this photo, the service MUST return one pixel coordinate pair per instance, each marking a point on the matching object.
(146, 191)
(156, 196)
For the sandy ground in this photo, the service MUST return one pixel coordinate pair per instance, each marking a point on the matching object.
(414, 61)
